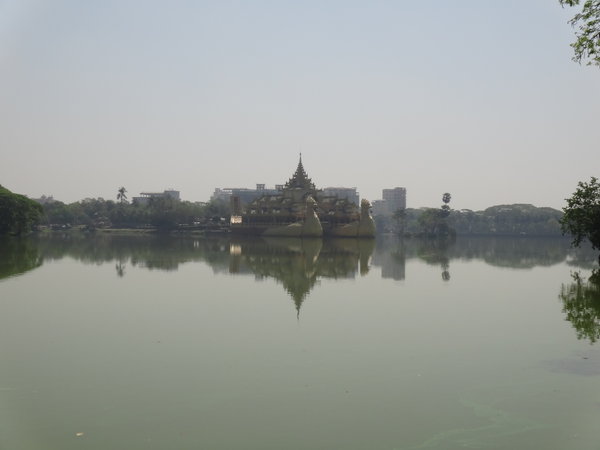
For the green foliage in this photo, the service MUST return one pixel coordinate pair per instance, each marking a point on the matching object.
(587, 45)
(400, 217)
(217, 209)
(429, 221)
(581, 304)
(522, 219)
(58, 213)
(19, 255)
(434, 222)
(508, 220)
(162, 213)
(18, 214)
(501, 220)
(581, 217)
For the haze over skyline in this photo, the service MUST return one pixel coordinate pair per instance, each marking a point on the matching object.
(479, 99)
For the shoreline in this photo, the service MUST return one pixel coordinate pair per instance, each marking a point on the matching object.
(226, 231)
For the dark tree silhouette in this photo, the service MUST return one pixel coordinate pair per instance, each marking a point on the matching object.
(121, 194)
(581, 217)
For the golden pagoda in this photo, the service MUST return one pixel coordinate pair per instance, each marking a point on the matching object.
(299, 209)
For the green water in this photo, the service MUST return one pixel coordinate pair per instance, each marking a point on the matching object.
(181, 343)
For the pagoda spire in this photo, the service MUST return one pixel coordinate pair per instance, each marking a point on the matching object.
(300, 168)
(300, 178)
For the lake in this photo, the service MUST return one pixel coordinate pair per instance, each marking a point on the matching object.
(143, 342)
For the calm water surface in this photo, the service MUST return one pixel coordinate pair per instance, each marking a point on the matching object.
(181, 343)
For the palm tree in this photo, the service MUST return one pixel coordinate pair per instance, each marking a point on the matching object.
(121, 194)
(446, 207)
(444, 229)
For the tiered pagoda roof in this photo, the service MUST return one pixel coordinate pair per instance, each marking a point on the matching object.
(300, 179)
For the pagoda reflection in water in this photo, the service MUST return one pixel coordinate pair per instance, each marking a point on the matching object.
(299, 263)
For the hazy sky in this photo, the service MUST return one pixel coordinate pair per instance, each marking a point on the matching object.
(477, 98)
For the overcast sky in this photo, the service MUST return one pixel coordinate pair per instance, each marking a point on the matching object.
(476, 98)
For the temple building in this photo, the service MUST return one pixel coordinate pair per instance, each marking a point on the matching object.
(299, 209)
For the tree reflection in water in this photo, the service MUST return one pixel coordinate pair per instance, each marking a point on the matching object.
(18, 255)
(436, 251)
(581, 304)
(298, 264)
(120, 267)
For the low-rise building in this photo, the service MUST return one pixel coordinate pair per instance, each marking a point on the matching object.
(44, 200)
(379, 207)
(145, 197)
(349, 194)
(245, 195)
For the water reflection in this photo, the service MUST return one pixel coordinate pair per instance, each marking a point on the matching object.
(435, 251)
(512, 252)
(332, 258)
(18, 256)
(120, 267)
(390, 255)
(298, 264)
(581, 304)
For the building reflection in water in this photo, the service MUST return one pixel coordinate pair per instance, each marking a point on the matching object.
(390, 255)
(299, 263)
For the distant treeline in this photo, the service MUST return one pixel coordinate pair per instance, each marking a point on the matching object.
(164, 213)
(501, 220)
(167, 213)
(19, 214)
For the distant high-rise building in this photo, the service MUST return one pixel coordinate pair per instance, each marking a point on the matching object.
(395, 198)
